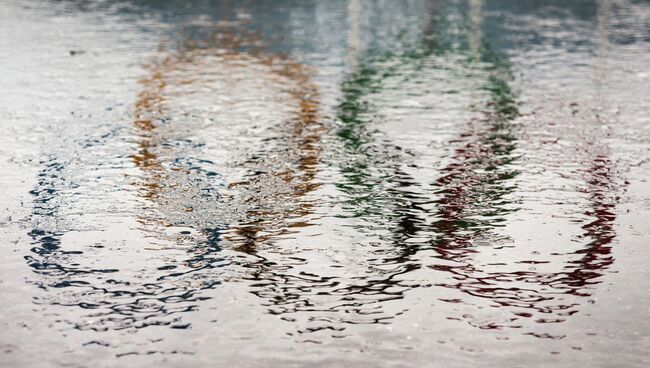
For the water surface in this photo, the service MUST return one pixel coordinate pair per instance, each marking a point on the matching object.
(342, 183)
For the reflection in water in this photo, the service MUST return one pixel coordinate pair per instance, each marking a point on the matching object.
(298, 145)
(409, 196)
(272, 194)
(473, 191)
(473, 195)
(599, 176)
(48, 259)
(473, 200)
(382, 192)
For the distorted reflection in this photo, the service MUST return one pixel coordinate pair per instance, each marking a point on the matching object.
(474, 198)
(341, 168)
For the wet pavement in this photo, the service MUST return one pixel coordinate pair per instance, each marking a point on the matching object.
(327, 184)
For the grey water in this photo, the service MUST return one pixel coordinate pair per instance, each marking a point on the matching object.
(349, 183)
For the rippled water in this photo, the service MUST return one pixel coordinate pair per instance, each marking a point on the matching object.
(341, 183)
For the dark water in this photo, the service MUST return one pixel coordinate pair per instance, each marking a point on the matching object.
(325, 184)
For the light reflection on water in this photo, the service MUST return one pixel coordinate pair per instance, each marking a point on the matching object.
(341, 175)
